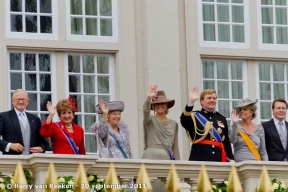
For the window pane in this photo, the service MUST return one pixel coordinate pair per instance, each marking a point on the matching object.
(91, 7)
(267, 15)
(32, 103)
(91, 26)
(43, 117)
(74, 63)
(280, 2)
(89, 104)
(238, 34)
(16, 5)
(223, 1)
(208, 0)
(234, 104)
(30, 62)
(279, 91)
(45, 82)
(90, 143)
(278, 72)
(74, 84)
(30, 82)
(265, 91)
(237, 90)
(77, 26)
(106, 27)
(76, 7)
(208, 69)
(236, 71)
(264, 72)
(89, 84)
(16, 81)
(103, 84)
(45, 6)
(223, 89)
(44, 98)
(105, 8)
(209, 32)
(104, 98)
(222, 70)
(265, 110)
(31, 24)
(15, 61)
(208, 85)
(223, 13)
(267, 33)
(78, 120)
(77, 99)
(31, 6)
(266, 2)
(44, 62)
(88, 64)
(16, 23)
(224, 33)
(238, 14)
(45, 24)
(281, 16)
(282, 35)
(224, 108)
(237, 1)
(89, 120)
(208, 13)
(102, 65)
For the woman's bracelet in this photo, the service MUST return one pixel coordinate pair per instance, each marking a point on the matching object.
(50, 117)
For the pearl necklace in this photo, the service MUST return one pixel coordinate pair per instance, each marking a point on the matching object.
(69, 127)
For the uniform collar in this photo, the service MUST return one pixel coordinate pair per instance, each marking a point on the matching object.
(208, 112)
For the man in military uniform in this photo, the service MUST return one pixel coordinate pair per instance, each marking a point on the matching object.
(207, 129)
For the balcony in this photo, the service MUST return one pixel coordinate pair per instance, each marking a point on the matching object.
(248, 172)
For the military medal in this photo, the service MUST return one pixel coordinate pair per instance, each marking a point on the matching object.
(223, 137)
(219, 130)
(220, 124)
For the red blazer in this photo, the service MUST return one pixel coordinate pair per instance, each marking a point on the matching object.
(60, 144)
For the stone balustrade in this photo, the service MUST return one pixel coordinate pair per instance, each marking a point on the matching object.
(248, 171)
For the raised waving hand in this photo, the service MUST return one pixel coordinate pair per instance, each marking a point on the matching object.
(193, 95)
(152, 92)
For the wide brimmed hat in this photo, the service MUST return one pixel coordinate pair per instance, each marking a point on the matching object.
(245, 102)
(161, 98)
(112, 106)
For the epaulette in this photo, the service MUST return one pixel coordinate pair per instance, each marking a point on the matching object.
(196, 111)
(220, 114)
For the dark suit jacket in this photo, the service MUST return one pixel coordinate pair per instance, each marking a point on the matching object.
(274, 147)
(11, 131)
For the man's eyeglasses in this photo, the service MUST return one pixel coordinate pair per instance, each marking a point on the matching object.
(19, 99)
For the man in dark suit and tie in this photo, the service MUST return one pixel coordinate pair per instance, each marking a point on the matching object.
(20, 130)
(276, 132)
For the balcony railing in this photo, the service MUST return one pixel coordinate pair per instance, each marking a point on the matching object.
(248, 171)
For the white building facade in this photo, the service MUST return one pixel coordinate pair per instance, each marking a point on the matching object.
(115, 49)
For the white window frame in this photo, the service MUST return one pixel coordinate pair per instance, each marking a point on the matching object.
(53, 91)
(244, 80)
(27, 35)
(111, 86)
(98, 38)
(218, 44)
(285, 82)
(262, 45)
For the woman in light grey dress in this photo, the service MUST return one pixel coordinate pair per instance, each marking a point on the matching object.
(240, 132)
(112, 134)
(160, 133)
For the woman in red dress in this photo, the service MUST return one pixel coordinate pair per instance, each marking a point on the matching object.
(66, 136)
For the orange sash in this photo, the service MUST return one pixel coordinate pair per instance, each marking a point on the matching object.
(250, 145)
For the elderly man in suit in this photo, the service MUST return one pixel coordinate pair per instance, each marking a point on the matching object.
(20, 130)
(276, 132)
